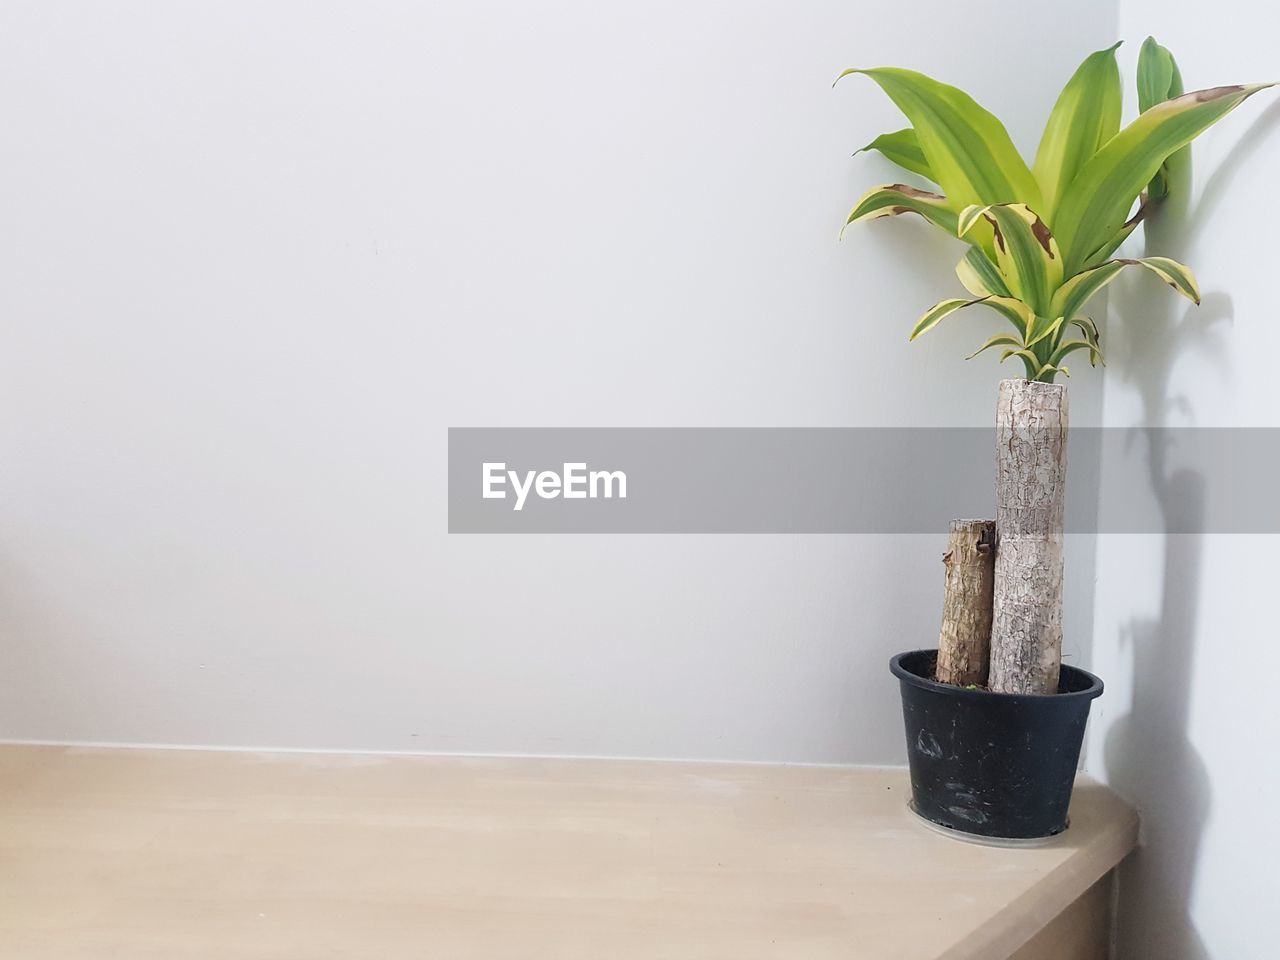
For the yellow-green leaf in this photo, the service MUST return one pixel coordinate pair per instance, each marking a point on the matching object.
(1097, 202)
(1027, 255)
(902, 148)
(968, 150)
(899, 198)
(1085, 117)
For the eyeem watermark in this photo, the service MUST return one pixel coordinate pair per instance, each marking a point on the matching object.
(574, 482)
(839, 480)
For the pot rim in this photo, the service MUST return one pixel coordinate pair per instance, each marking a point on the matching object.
(1090, 692)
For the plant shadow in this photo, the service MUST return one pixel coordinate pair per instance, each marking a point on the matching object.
(1148, 756)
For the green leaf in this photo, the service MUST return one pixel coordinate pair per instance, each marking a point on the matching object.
(1075, 293)
(1156, 73)
(1085, 117)
(967, 148)
(1098, 200)
(1027, 255)
(1158, 81)
(899, 198)
(902, 148)
(980, 276)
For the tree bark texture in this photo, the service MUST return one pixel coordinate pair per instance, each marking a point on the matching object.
(1031, 467)
(965, 639)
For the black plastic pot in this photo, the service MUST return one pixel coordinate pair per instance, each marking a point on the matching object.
(996, 765)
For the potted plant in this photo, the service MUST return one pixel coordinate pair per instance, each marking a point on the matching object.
(994, 721)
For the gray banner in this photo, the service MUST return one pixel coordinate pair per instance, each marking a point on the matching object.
(845, 480)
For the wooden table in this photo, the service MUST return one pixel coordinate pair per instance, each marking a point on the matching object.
(130, 854)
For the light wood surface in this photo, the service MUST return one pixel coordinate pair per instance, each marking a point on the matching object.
(1080, 932)
(121, 854)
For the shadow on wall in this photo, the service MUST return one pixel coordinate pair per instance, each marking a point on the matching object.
(1148, 755)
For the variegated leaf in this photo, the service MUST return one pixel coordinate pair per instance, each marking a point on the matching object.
(1027, 255)
(1067, 347)
(980, 276)
(1017, 312)
(999, 340)
(1043, 331)
(1175, 274)
(1088, 328)
(937, 313)
(1029, 361)
(1075, 293)
(1014, 310)
(899, 198)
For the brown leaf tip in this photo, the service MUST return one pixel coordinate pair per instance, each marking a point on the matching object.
(911, 191)
(1213, 93)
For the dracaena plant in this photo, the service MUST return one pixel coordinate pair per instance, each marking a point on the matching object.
(1042, 236)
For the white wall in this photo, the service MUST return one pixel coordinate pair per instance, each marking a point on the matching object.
(1185, 626)
(257, 258)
